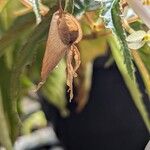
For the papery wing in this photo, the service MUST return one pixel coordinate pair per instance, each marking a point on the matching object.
(55, 49)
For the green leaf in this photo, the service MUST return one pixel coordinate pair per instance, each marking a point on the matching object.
(86, 5)
(69, 6)
(92, 4)
(35, 5)
(20, 26)
(112, 18)
(55, 88)
(25, 54)
(120, 32)
(4, 130)
(132, 86)
(9, 109)
(79, 7)
(3, 4)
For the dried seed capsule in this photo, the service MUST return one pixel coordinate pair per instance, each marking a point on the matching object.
(55, 49)
(65, 31)
(69, 29)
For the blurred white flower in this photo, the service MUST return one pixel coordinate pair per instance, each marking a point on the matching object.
(138, 39)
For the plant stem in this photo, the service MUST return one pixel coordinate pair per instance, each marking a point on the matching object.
(143, 71)
(66, 4)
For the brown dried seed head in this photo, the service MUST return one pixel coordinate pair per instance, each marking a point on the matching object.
(69, 29)
(65, 31)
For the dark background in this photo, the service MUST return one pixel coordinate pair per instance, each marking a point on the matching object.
(110, 120)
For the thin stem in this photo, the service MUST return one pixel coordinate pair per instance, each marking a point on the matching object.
(89, 19)
(127, 26)
(133, 19)
(66, 4)
(95, 27)
(60, 6)
(143, 71)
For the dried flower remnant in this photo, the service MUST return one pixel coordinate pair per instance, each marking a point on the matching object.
(137, 39)
(64, 33)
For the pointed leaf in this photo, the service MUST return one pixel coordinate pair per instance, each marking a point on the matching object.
(112, 18)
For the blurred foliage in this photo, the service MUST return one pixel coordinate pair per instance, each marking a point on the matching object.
(22, 45)
(35, 121)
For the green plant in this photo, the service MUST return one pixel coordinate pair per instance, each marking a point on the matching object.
(22, 45)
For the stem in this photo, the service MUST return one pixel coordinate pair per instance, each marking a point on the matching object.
(66, 5)
(133, 19)
(127, 26)
(94, 27)
(143, 71)
(69, 6)
(89, 19)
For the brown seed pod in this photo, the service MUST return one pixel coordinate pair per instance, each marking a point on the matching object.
(55, 48)
(69, 29)
(65, 31)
